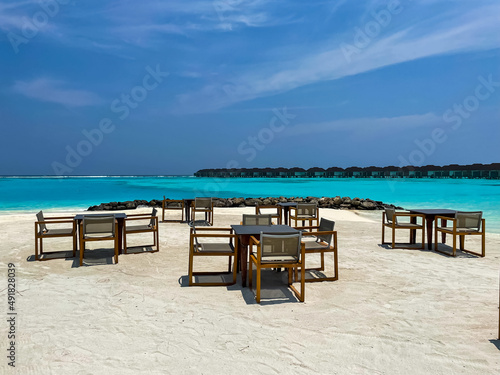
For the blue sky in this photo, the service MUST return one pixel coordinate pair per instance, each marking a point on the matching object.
(170, 87)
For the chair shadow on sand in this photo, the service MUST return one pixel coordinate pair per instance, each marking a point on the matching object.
(274, 288)
(496, 343)
(442, 247)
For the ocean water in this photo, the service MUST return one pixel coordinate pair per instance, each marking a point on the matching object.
(35, 193)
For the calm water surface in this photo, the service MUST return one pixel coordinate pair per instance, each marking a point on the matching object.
(34, 193)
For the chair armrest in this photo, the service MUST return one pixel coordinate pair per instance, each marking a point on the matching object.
(334, 232)
(55, 222)
(452, 219)
(405, 214)
(253, 241)
(308, 227)
(213, 235)
(59, 218)
(212, 229)
(145, 217)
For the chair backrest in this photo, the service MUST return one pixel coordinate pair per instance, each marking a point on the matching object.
(389, 214)
(99, 225)
(153, 215)
(325, 225)
(39, 217)
(471, 220)
(309, 209)
(257, 219)
(274, 246)
(172, 203)
(264, 209)
(205, 203)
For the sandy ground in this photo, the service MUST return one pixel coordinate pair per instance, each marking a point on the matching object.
(391, 311)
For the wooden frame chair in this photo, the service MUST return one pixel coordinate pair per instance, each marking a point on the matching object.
(390, 220)
(256, 219)
(205, 205)
(320, 241)
(304, 212)
(41, 232)
(200, 248)
(98, 228)
(464, 224)
(151, 227)
(278, 251)
(268, 209)
(172, 204)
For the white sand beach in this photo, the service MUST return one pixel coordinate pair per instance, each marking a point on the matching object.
(392, 311)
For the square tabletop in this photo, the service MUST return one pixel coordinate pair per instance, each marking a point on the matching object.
(119, 215)
(288, 204)
(433, 211)
(256, 229)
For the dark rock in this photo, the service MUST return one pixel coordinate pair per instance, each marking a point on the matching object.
(367, 205)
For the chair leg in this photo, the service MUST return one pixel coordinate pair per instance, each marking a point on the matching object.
(257, 297)
(303, 283)
(36, 245)
(190, 267)
(116, 250)
(423, 237)
(82, 249)
(124, 242)
(393, 237)
(483, 251)
(74, 245)
(454, 245)
(250, 273)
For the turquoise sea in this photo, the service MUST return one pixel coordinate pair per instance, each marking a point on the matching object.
(35, 193)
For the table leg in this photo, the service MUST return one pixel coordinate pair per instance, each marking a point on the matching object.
(187, 212)
(285, 215)
(120, 235)
(243, 249)
(413, 232)
(429, 221)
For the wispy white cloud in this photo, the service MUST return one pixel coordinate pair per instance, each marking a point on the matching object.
(54, 91)
(380, 125)
(475, 30)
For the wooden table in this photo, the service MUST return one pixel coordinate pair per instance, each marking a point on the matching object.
(285, 208)
(120, 217)
(244, 232)
(430, 215)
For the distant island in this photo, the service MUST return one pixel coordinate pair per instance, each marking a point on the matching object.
(487, 171)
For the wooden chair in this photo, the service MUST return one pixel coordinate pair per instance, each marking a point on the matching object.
(98, 228)
(272, 209)
(320, 240)
(256, 220)
(390, 220)
(41, 232)
(208, 248)
(204, 205)
(305, 212)
(464, 224)
(142, 227)
(278, 251)
(172, 204)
